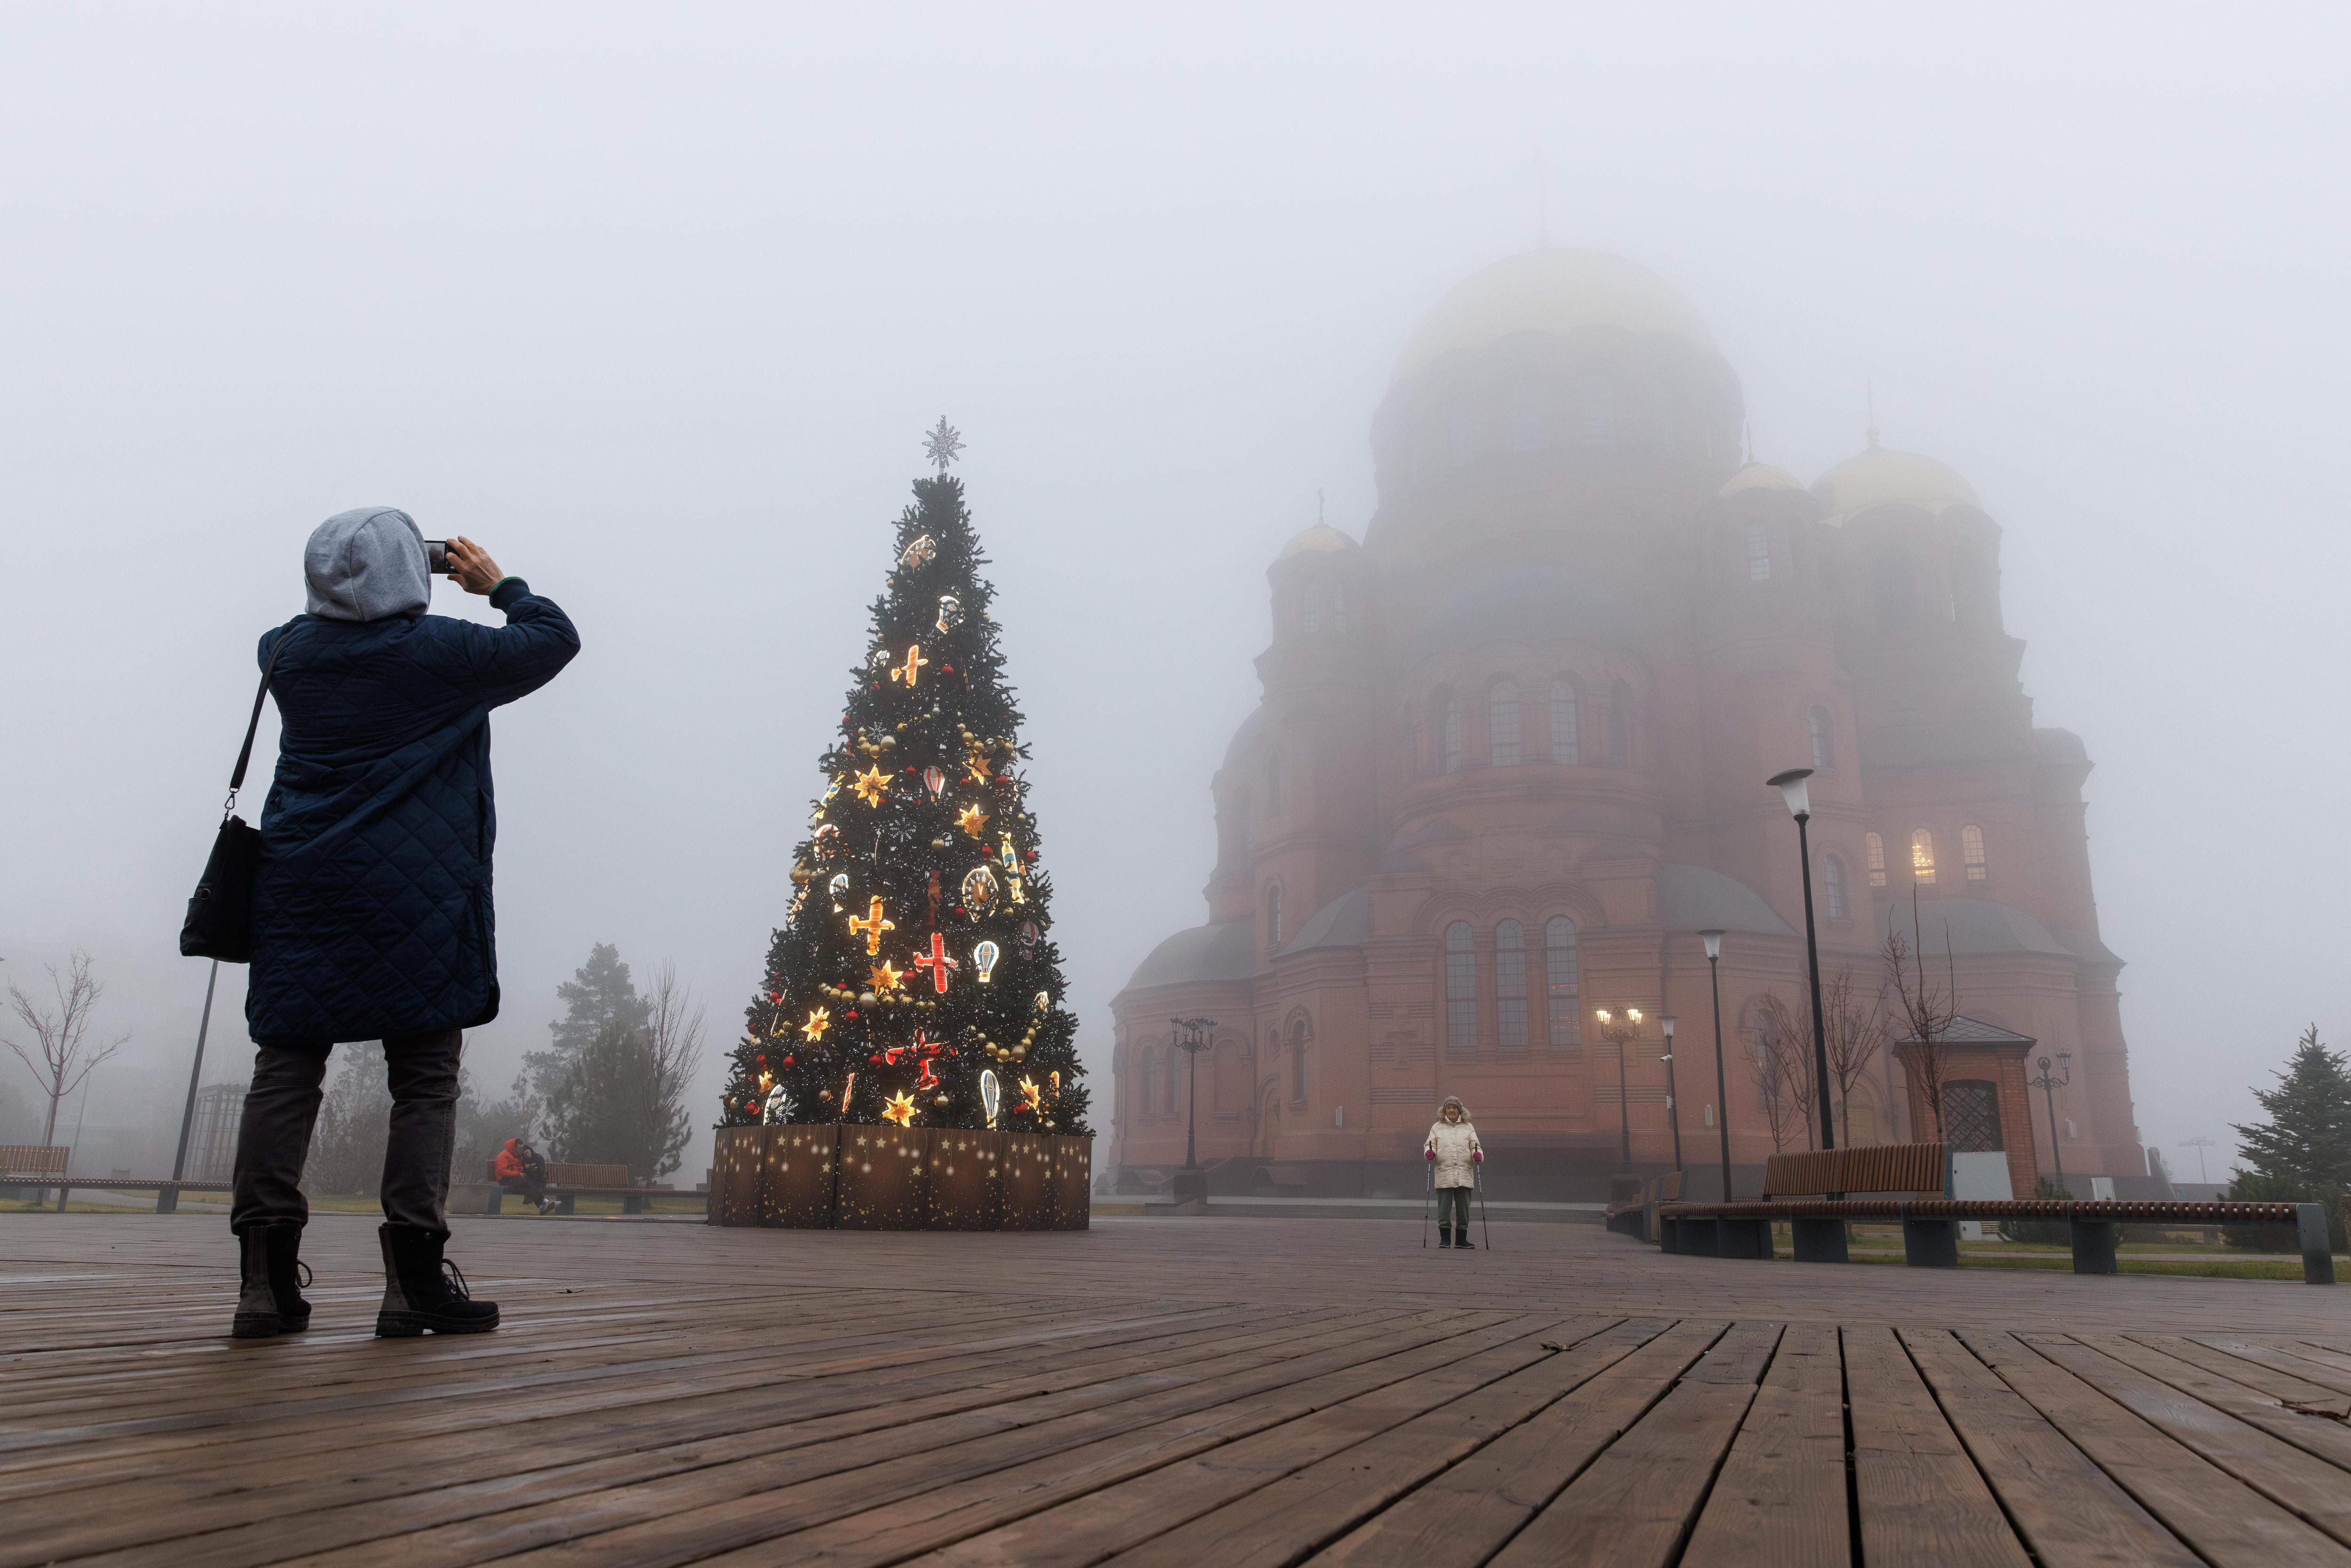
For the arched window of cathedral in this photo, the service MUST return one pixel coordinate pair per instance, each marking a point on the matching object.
(1971, 853)
(1527, 424)
(1895, 580)
(1460, 991)
(1273, 784)
(1758, 552)
(1922, 857)
(1510, 985)
(1824, 739)
(1502, 723)
(1565, 721)
(1458, 421)
(1566, 1019)
(1150, 1079)
(1309, 609)
(1273, 918)
(1620, 724)
(1599, 405)
(1455, 714)
(1874, 846)
(1169, 1063)
(1832, 886)
(1297, 1062)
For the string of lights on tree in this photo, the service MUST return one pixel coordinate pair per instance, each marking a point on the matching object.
(914, 979)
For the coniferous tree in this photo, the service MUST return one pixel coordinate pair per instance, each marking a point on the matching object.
(2307, 1137)
(914, 981)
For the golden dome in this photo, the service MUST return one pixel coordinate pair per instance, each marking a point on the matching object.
(1880, 476)
(1319, 539)
(1551, 290)
(1761, 477)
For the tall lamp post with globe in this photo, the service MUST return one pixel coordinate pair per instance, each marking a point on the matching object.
(1673, 1104)
(1622, 1033)
(1791, 788)
(1192, 1037)
(1713, 940)
(2049, 1083)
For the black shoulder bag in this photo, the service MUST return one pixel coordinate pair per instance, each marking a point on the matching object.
(220, 916)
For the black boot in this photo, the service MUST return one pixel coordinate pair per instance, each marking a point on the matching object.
(270, 1279)
(1445, 1236)
(424, 1291)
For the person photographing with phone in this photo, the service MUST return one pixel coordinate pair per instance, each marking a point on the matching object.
(371, 907)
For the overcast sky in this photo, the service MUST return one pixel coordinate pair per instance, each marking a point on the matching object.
(655, 302)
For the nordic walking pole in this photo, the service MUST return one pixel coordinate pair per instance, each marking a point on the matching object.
(1428, 1189)
(1479, 1172)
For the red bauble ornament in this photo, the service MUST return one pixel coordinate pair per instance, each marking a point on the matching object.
(750, 1108)
(849, 1014)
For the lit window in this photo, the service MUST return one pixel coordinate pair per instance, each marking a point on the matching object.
(1823, 740)
(1971, 852)
(1832, 886)
(1758, 553)
(1273, 918)
(1453, 727)
(1874, 846)
(1502, 723)
(1527, 419)
(1511, 984)
(1620, 724)
(1922, 857)
(1559, 981)
(1460, 990)
(1564, 722)
(1599, 411)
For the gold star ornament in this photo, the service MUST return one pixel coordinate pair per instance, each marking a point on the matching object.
(886, 978)
(871, 784)
(900, 1110)
(819, 1020)
(972, 819)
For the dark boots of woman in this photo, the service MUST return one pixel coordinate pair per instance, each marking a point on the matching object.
(270, 1279)
(423, 1292)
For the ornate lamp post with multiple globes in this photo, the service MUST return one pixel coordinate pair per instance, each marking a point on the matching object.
(2049, 1083)
(1673, 1105)
(1713, 940)
(1621, 1035)
(1192, 1037)
(1793, 789)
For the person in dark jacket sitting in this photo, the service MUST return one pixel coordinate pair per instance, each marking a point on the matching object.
(519, 1169)
(371, 917)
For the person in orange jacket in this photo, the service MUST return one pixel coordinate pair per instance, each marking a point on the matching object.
(519, 1169)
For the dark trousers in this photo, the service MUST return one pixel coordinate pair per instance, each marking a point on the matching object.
(532, 1188)
(1453, 1206)
(274, 1140)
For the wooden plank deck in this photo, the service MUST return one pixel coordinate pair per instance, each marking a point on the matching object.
(1195, 1394)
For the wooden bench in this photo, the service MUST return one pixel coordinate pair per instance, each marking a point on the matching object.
(1633, 1203)
(1905, 1185)
(568, 1182)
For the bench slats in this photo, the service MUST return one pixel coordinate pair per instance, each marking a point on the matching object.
(1877, 1168)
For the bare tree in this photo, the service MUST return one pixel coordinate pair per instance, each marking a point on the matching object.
(674, 1044)
(1927, 1011)
(1783, 1070)
(62, 1037)
(1856, 1033)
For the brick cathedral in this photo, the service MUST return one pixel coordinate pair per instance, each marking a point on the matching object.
(1510, 759)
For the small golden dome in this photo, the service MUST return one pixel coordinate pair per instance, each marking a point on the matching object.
(1761, 477)
(1880, 476)
(1551, 290)
(1319, 539)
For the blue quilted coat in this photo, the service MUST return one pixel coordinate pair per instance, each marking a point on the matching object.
(372, 908)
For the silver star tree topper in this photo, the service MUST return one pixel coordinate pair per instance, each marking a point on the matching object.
(942, 445)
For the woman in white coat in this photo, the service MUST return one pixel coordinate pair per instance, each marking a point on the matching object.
(1454, 1153)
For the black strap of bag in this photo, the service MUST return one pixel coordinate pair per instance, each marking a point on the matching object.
(219, 923)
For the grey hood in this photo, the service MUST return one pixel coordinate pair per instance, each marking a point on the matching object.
(367, 564)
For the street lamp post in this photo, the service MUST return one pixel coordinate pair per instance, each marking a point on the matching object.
(1192, 1037)
(1621, 1035)
(1793, 789)
(1673, 1107)
(1713, 940)
(2049, 1083)
(2199, 1143)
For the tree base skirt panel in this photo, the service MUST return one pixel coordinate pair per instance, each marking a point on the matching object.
(850, 1177)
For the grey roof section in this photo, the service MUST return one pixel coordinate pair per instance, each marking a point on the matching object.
(1692, 898)
(2087, 948)
(1222, 950)
(1975, 925)
(1975, 1031)
(1344, 922)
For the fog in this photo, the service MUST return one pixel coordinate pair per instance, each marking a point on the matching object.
(655, 303)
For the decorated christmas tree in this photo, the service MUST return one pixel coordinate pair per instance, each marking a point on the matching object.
(914, 979)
